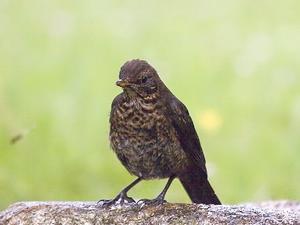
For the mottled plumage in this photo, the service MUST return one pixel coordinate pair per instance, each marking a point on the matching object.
(153, 135)
(142, 141)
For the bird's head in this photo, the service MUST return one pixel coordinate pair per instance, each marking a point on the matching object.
(139, 79)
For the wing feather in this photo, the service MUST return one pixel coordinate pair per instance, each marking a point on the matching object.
(186, 132)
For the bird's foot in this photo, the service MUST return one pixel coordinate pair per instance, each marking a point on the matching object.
(156, 201)
(120, 199)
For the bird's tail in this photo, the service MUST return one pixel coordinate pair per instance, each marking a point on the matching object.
(198, 188)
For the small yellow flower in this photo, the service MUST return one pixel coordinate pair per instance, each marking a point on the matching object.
(210, 120)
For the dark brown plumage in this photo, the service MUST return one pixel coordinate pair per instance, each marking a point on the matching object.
(154, 137)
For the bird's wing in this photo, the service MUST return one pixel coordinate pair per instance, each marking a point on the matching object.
(186, 133)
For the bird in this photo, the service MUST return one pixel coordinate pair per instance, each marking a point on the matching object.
(154, 137)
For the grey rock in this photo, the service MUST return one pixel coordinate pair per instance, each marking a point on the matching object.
(90, 213)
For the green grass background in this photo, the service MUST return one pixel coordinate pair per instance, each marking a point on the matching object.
(233, 62)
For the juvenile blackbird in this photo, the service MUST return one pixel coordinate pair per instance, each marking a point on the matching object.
(153, 135)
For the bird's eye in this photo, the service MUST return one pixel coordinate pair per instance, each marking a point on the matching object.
(144, 79)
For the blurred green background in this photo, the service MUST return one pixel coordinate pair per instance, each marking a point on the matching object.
(235, 64)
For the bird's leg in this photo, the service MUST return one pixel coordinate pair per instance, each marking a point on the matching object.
(160, 199)
(122, 197)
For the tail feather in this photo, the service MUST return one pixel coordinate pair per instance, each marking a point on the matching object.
(199, 189)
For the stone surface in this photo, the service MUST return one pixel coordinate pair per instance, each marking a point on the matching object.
(46, 213)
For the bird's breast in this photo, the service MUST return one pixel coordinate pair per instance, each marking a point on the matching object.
(141, 138)
(137, 124)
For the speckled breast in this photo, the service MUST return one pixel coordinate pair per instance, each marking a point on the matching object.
(143, 141)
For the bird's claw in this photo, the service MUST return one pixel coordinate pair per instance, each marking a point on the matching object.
(156, 201)
(120, 199)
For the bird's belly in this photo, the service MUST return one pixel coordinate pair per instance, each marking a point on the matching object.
(145, 142)
(145, 151)
(148, 152)
(142, 158)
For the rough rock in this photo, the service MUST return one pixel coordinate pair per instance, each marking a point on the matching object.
(63, 213)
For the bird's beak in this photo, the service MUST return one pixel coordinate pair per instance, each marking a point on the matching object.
(122, 83)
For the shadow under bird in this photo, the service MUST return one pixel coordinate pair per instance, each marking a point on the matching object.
(154, 137)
